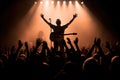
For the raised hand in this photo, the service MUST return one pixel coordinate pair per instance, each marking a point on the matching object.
(98, 42)
(76, 40)
(26, 45)
(64, 42)
(68, 40)
(42, 15)
(20, 44)
(45, 44)
(75, 15)
(38, 42)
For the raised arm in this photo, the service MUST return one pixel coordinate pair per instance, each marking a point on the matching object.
(76, 45)
(74, 16)
(42, 16)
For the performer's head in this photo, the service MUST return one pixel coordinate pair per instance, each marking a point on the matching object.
(58, 22)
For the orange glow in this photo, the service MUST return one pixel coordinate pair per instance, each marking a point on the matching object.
(85, 25)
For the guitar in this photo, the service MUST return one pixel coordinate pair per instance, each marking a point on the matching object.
(54, 36)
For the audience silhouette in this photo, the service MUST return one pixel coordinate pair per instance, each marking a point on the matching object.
(49, 64)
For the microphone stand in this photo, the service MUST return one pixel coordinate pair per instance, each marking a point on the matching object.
(50, 31)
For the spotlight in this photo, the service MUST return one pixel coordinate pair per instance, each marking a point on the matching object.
(70, 2)
(58, 2)
(82, 2)
(64, 2)
(52, 2)
(76, 2)
(35, 2)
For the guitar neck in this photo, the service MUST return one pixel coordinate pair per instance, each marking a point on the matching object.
(70, 34)
(54, 36)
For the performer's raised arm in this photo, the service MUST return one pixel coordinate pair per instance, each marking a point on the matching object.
(42, 16)
(74, 16)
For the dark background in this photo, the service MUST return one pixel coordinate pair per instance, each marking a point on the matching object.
(107, 11)
(11, 11)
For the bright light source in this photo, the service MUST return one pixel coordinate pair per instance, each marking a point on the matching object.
(70, 2)
(52, 2)
(76, 2)
(47, 3)
(82, 2)
(35, 2)
(58, 2)
(64, 2)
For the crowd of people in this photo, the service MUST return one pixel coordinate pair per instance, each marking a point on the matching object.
(40, 62)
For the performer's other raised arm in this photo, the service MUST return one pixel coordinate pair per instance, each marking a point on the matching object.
(74, 16)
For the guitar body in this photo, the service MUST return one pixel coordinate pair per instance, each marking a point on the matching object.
(58, 37)
(54, 37)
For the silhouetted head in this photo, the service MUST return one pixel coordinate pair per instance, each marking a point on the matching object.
(58, 22)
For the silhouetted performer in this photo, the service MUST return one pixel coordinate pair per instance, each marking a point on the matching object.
(57, 36)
